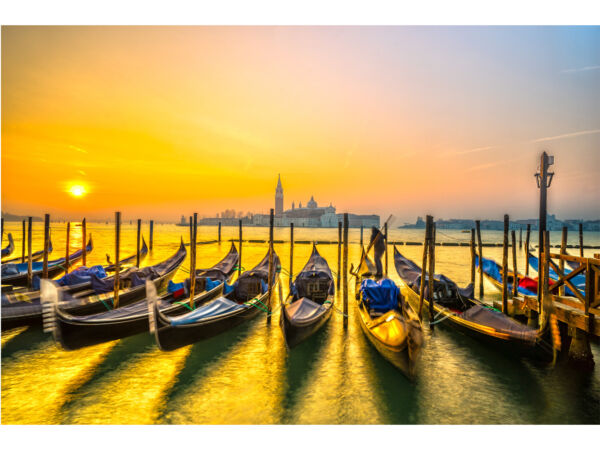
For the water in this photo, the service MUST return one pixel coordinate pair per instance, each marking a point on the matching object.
(246, 376)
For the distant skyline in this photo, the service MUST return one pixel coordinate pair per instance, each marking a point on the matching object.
(162, 121)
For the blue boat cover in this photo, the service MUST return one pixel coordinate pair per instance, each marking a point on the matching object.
(381, 295)
(81, 275)
(493, 270)
(578, 280)
(215, 308)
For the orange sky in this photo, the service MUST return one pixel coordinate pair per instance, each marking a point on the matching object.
(160, 121)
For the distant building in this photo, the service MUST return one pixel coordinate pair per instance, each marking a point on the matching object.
(313, 215)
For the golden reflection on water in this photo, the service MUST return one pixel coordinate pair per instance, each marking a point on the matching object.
(246, 375)
(36, 384)
(133, 393)
(8, 335)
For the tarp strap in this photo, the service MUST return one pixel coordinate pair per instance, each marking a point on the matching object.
(184, 304)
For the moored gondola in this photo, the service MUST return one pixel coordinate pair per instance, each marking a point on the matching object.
(310, 301)
(493, 273)
(389, 323)
(240, 302)
(74, 331)
(16, 274)
(35, 256)
(7, 251)
(458, 309)
(22, 307)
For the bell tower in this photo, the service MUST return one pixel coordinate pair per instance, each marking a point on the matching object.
(279, 197)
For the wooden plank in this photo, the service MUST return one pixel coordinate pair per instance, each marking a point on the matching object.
(566, 279)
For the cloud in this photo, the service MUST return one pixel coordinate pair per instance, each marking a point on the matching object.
(474, 150)
(567, 135)
(580, 69)
(484, 166)
(77, 149)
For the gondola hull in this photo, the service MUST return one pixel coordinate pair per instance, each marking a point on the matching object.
(396, 355)
(73, 333)
(171, 338)
(295, 332)
(487, 336)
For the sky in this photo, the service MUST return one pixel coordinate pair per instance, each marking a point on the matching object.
(162, 121)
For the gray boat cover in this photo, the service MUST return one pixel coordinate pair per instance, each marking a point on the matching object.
(304, 310)
(495, 319)
(215, 308)
(315, 270)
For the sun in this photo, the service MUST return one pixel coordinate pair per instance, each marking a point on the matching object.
(77, 190)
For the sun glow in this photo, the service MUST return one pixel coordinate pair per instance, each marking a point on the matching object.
(77, 190)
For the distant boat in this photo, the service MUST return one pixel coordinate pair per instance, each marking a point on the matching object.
(465, 231)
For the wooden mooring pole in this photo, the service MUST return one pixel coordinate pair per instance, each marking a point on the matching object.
(472, 256)
(29, 261)
(514, 257)
(67, 261)
(527, 249)
(291, 254)
(580, 239)
(505, 267)
(219, 233)
(24, 242)
(361, 235)
(480, 245)
(193, 248)
(151, 234)
(138, 243)
(83, 242)
(431, 272)
(339, 256)
(118, 258)
(240, 253)
(563, 251)
(271, 276)
(46, 241)
(345, 270)
(385, 240)
(520, 237)
(426, 244)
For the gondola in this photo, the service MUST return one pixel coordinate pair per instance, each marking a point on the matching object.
(129, 260)
(73, 331)
(24, 308)
(7, 251)
(389, 323)
(457, 309)
(240, 302)
(35, 256)
(16, 274)
(577, 280)
(310, 301)
(493, 273)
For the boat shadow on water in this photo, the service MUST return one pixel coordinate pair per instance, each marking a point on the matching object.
(203, 355)
(27, 340)
(301, 361)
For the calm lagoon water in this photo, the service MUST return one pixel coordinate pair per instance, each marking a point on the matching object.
(246, 376)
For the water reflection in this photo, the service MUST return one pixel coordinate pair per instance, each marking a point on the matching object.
(247, 376)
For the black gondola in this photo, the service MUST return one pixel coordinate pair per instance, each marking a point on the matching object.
(16, 274)
(74, 332)
(129, 260)
(7, 251)
(244, 301)
(310, 301)
(25, 308)
(389, 323)
(35, 256)
(458, 309)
